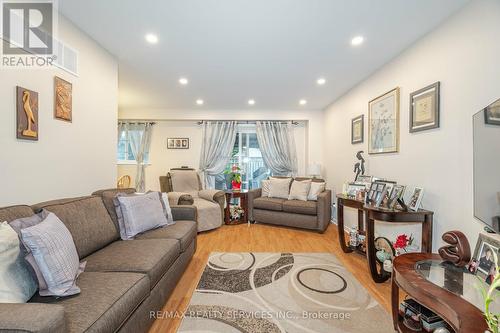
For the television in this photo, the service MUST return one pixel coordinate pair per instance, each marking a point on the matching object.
(486, 126)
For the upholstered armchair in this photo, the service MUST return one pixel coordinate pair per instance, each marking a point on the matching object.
(184, 187)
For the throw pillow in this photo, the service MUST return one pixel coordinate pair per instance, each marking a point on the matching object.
(17, 284)
(279, 187)
(138, 213)
(315, 190)
(167, 209)
(299, 190)
(265, 187)
(55, 258)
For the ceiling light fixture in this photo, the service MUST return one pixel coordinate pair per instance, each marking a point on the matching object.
(199, 102)
(302, 102)
(251, 102)
(358, 40)
(321, 81)
(151, 38)
(183, 81)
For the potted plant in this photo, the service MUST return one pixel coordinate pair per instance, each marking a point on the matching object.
(235, 177)
(492, 319)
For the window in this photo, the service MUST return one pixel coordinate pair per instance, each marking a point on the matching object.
(247, 155)
(125, 154)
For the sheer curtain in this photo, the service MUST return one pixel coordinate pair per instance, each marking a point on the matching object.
(139, 138)
(277, 144)
(218, 142)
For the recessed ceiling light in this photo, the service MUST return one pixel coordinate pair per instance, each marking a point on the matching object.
(199, 102)
(151, 38)
(251, 102)
(302, 102)
(321, 81)
(358, 40)
(183, 81)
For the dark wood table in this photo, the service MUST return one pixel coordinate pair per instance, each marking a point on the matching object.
(371, 214)
(343, 200)
(243, 196)
(461, 315)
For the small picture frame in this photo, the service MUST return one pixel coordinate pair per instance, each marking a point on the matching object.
(416, 199)
(492, 114)
(354, 188)
(397, 192)
(178, 143)
(358, 129)
(424, 108)
(486, 246)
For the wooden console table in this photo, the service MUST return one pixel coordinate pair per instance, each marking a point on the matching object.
(411, 273)
(372, 213)
(243, 196)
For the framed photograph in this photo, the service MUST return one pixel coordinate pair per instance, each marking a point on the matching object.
(486, 246)
(424, 108)
(376, 194)
(27, 114)
(492, 114)
(383, 123)
(354, 188)
(416, 198)
(358, 129)
(63, 99)
(178, 143)
(397, 192)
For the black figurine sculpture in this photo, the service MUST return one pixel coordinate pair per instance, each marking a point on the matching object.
(359, 168)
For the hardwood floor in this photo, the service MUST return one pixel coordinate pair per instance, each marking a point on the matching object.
(264, 238)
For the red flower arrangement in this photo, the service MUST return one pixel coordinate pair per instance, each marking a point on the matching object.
(403, 241)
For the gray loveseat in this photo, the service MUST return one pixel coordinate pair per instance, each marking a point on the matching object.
(123, 280)
(313, 215)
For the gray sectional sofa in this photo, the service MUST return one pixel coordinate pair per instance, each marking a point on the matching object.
(123, 280)
(313, 215)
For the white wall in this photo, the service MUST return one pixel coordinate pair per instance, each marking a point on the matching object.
(308, 137)
(70, 159)
(463, 53)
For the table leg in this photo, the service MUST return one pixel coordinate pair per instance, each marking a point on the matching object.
(244, 205)
(340, 227)
(361, 217)
(427, 233)
(227, 211)
(371, 252)
(395, 302)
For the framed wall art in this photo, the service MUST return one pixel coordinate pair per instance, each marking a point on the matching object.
(357, 129)
(424, 108)
(63, 99)
(492, 113)
(27, 114)
(383, 123)
(178, 143)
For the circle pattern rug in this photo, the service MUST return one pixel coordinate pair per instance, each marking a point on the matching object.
(281, 292)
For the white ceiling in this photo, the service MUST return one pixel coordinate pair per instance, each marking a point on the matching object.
(232, 50)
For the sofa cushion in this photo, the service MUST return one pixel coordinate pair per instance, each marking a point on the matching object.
(12, 213)
(105, 303)
(87, 220)
(184, 231)
(299, 190)
(279, 187)
(300, 207)
(107, 198)
(148, 256)
(269, 203)
(54, 257)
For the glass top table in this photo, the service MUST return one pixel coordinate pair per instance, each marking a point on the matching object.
(456, 280)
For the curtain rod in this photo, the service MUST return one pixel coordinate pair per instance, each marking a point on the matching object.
(136, 121)
(200, 121)
(294, 122)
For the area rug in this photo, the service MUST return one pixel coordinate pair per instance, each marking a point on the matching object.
(281, 292)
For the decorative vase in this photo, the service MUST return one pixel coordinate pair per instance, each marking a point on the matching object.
(236, 185)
